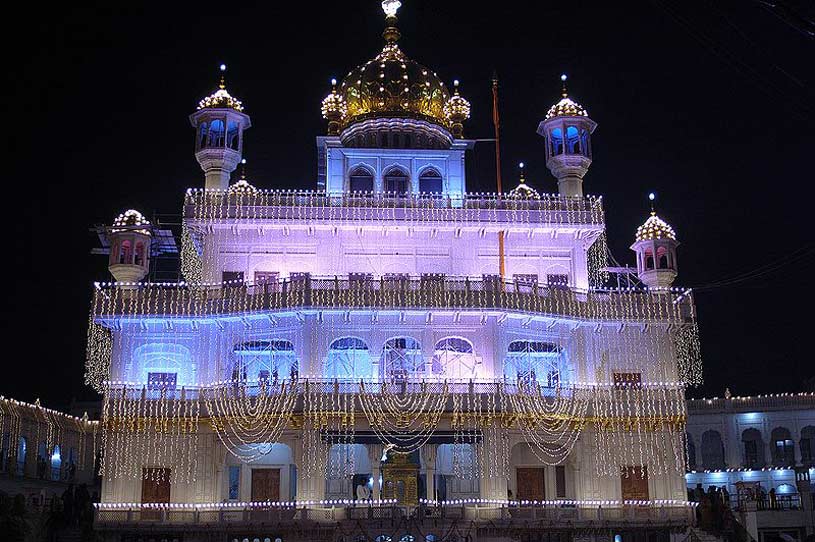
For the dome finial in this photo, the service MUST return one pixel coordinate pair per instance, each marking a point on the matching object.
(222, 84)
(243, 169)
(391, 33)
(521, 166)
(563, 78)
(651, 198)
(390, 7)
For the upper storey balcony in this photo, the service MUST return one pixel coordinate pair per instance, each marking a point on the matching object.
(248, 204)
(428, 292)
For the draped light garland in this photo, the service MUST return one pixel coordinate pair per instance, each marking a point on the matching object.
(244, 414)
(550, 423)
(402, 416)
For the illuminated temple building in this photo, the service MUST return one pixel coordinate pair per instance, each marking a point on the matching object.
(390, 357)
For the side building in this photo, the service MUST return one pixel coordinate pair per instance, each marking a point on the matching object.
(762, 450)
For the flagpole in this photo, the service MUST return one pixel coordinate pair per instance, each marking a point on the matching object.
(496, 121)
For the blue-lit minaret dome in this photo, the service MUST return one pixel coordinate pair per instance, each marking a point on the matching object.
(567, 129)
(655, 245)
(130, 239)
(219, 124)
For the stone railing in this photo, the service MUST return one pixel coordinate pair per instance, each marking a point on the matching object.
(208, 206)
(804, 400)
(479, 514)
(425, 293)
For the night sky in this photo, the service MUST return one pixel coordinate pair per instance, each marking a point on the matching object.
(708, 103)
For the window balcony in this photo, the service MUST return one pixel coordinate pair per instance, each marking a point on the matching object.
(443, 293)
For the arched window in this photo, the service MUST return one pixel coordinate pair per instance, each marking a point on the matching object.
(126, 252)
(649, 260)
(753, 448)
(348, 359)
(56, 464)
(783, 447)
(139, 260)
(430, 182)
(361, 180)
(662, 258)
(534, 361)
(712, 450)
(396, 181)
(691, 463)
(455, 358)
(22, 449)
(807, 445)
(202, 135)
(264, 360)
(216, 134)
(557, 141)
(401, 358)
(232, 136)
(163, 365)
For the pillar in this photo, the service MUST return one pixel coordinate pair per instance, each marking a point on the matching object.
(428, 453)
(375, 456)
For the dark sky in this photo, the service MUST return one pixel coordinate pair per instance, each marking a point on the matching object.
(708, 103)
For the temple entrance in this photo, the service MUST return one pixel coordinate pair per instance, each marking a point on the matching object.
(265, 485)
(634, 483)
(155, 488)
(400, 479)
(531, 483)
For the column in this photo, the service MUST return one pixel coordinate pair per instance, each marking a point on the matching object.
(375, 457)
(428, 455)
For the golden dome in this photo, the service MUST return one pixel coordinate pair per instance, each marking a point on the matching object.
(131, 220)
(566, 107)
(655, 228)
(243, 188)
(221, 99)
(523, 190)
(390, 85)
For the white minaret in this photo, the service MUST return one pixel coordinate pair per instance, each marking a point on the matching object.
(567, 129)
(130, 238)
(655, 246)
(219, 124)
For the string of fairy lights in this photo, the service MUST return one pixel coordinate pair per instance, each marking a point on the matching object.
(208, 206)
(632, 425)
(50, 432)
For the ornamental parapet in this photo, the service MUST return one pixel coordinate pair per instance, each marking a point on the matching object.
(206, 206)
(345, 516)
(780, 401)
(435, 293)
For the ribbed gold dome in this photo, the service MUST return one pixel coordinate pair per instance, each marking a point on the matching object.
(393, 86)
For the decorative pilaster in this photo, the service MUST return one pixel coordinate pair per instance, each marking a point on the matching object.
(375, 457)
(428, 454)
